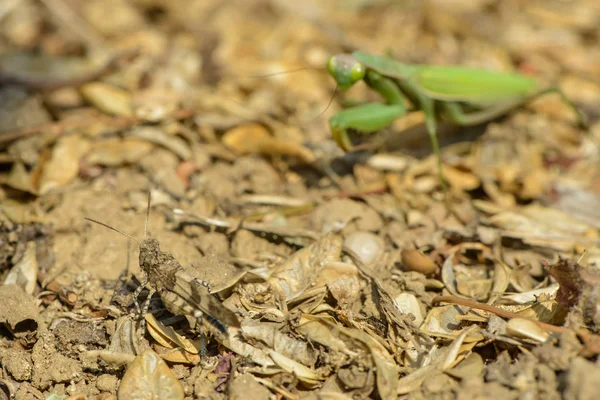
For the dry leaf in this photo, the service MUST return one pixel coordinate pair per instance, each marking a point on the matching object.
(281, 343)
(442, 322)
(254, 138)
(177, 349)
(301, 372)
(461, 179)
(300, 270)
(437, 360)
(116, 151)
(316, 330)
(525, 328)
(108, 98)
(408, 304)
(24, 273)
(148, 377)
(63, 165)
(472, 366)
(124, 340)
(20, 179)
(235, 342)
(387, 370)
(342, 280)
(545, 227)
(160, 137)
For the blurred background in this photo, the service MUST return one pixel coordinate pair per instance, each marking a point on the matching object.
(221, 109)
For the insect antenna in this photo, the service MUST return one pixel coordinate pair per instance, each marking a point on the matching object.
(330, 101)
(113, 229)
(147, 215)
(288, 72)
(298, 70)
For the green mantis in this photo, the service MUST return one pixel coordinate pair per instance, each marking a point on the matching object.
(464, 96)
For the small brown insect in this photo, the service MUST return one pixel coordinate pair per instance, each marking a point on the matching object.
(181, 293)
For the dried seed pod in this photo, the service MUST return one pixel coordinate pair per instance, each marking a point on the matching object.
(414, 260)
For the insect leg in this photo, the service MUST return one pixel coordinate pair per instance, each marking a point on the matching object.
(202, 283)
(143, 309)
(386, 87)
(136, 294)
(121, 280)
(202, 336)
(428, 108)
(372, 116)
(581, 118)
(366, 118)
(455, 113)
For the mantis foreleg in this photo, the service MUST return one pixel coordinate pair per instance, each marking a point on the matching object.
(369, 117)
(375, 116)
(372, 116)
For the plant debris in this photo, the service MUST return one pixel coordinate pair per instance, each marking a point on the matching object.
(283, 267)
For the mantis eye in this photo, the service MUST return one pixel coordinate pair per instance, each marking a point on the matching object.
(346, 70)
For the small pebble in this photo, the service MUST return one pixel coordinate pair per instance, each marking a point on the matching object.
(366, 245)
(107, 383)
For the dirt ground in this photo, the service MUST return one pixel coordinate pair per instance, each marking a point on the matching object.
(332, 275)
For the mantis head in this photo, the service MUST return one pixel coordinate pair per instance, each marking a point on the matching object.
(346, 70)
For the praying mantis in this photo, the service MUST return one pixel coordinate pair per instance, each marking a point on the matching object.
(464, 96)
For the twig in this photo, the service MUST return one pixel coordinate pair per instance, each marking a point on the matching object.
(376, 188)
(182, 217)
(286, 211)
(496, 310)
(273, 200)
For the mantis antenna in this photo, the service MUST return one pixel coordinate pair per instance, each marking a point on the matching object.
(298, 70)
(330, 101)
(287, 72)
